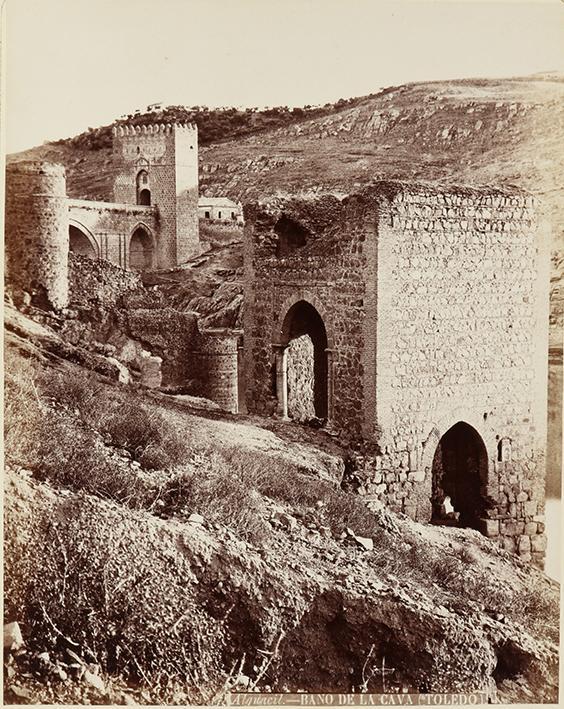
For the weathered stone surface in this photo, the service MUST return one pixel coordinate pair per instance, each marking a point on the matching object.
(538, 543)
(489, 527)
(13, 638)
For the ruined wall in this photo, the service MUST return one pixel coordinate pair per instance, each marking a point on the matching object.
(36, 233)
(333, 270)
(300, 379)
(214, 359)
(110, 226)
(169, 155)
(98, 285)
(203, 363)
(436, 309)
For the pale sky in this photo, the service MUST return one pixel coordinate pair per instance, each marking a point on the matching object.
(71, 64)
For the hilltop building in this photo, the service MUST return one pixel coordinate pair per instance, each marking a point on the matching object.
(220, 209)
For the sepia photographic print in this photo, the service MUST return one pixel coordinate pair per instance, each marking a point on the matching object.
(283, 333)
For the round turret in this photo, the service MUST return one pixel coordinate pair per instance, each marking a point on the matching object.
(37, 232)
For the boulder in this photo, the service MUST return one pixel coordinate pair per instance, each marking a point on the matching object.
(13, 638)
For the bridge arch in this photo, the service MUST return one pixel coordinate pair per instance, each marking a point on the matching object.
(141, 251)
(82, 241)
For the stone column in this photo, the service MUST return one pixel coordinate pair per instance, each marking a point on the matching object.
(282, 380)
(329, 353)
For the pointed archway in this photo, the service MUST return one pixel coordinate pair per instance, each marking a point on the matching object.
(459, 477)
(302, 368)
(141, 250)
(81, 242)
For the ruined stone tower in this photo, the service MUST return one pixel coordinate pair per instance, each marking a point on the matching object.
(157, 165)
(413, 318)
(36, 235)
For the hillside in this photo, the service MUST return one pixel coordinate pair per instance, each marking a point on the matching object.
(466, 131)
(158, 554)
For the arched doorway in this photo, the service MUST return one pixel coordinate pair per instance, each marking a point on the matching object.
(459, 473)
(141, 250)
(80, 243)
(301, 364)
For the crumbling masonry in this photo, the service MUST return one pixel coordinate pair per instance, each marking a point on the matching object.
(410, 319)
(418, 319)
(154, 224)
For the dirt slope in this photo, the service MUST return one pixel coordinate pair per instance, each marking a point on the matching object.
(281, 580)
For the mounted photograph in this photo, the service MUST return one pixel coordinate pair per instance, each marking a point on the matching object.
(283, 340)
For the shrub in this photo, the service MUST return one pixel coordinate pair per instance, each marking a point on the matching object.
(123, 422)
(209, 487)
(93, 573)
(278, 479)
(22, 412)
(74, 458)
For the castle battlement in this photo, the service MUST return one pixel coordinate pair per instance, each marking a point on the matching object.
(133, 130)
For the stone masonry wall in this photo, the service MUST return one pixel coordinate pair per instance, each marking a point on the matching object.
(169, 154)
(335, 272)
(204, 363)
(300, 379)
(214, 358)
(112, 225)
(462, 336)
(436, 310)
(37, 233)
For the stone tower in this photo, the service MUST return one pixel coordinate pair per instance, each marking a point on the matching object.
(37, 233)
(157, 165)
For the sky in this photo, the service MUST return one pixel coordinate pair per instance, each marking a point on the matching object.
(71, 64)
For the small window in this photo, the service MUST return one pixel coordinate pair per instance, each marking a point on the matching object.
(219, 215)
(233, 215)
(144, 198)
(504, 450)
(207, 215)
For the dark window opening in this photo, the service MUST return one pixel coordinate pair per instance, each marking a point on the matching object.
(291, 236)
(207, 215)
(144, 198)
(233, 216)
(219, 215)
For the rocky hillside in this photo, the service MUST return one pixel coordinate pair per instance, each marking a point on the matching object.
(159, 554)
(465, 131)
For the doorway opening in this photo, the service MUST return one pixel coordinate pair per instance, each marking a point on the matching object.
(459, 474)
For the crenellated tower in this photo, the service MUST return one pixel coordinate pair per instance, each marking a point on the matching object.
(157, 165)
